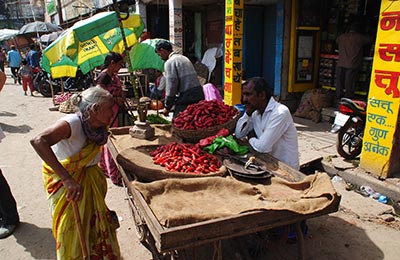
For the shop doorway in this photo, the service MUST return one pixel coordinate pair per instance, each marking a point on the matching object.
(259, 42)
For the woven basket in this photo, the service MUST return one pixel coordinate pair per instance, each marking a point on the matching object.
(193, 136)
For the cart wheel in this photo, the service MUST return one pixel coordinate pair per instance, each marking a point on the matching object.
(141, 228)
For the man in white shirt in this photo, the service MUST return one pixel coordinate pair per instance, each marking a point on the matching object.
(267, 124)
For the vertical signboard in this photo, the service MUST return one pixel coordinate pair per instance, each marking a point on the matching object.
(233, 51)
(175, 22)
(384, 93)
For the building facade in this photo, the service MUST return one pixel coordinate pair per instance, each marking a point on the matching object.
(15, 13)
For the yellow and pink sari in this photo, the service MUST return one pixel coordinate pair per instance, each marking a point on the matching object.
(100, 236)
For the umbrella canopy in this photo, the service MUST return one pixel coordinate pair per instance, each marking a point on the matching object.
(143, 56)
(38, 28)
(87, 42)
(50, 37)
(20, 41)
(6, 34)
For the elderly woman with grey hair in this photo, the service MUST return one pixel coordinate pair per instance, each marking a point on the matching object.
(70, 150)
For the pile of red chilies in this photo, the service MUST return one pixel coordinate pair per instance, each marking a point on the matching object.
(187, 158)
(204, 114)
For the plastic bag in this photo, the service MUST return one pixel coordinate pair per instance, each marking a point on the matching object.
(211, 92)
(228, 142)
(209, 140)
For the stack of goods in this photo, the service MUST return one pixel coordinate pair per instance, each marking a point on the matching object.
(204, 119)
(186, 158)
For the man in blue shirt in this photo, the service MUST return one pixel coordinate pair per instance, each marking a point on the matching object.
(14, 61)
(33, 56)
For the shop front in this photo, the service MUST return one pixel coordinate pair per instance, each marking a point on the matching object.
(315, 26)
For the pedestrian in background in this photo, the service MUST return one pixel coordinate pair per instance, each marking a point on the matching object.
(26, 74)
(70, 150)
(14, 61)
(32, 56)
(182, 86)
(3, 59)
(350, 60)
(9, 218)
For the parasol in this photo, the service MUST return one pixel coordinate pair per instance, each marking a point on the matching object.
(20, 41)
(6, 34)
(87, 42)
(37, 28)
(143, 56)
(50, 37)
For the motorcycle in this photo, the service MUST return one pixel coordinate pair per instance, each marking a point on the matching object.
(349, 124)
(80, 82)
(41, 83)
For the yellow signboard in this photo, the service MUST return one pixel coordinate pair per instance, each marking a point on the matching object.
(384, 93)
(234, 13)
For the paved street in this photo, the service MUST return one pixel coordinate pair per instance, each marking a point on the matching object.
(357, 231)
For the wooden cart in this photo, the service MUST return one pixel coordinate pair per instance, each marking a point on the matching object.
(167, 243)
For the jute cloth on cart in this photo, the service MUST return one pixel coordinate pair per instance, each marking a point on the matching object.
(178, 202)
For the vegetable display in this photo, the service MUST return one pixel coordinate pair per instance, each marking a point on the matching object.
(186, 158)
(204, 114)
(157, 119)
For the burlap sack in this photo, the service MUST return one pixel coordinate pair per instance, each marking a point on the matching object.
(321, 98)
(305, 105)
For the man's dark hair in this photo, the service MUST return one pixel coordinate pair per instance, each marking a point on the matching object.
(32, 46)
(163, 44)
(260, 85)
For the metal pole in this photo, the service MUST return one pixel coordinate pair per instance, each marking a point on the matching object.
(126, 52)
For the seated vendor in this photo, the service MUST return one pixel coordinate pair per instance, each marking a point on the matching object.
(157, 91)
(267, 124)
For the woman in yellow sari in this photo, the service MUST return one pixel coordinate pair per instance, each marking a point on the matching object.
(70, 150)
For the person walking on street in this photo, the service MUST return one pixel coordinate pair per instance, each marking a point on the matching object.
(26, 74)
(182, 86)
(33, 57)
(350, 60)
(14, 61)
(3, 59)
(267, 124)
(70, 150)
(9, 217)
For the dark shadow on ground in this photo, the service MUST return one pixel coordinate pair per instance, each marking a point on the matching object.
(5, 113)
(22, 129)
(39, 242)
(328, 238)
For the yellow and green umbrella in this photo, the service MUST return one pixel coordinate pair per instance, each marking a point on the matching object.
(87, 42)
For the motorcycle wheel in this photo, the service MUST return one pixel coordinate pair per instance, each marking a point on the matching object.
(349, 140)
(44, 88)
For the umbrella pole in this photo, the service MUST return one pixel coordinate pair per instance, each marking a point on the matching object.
(52, 90)
(126, 52)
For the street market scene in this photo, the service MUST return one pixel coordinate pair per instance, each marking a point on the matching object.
(248, 129)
